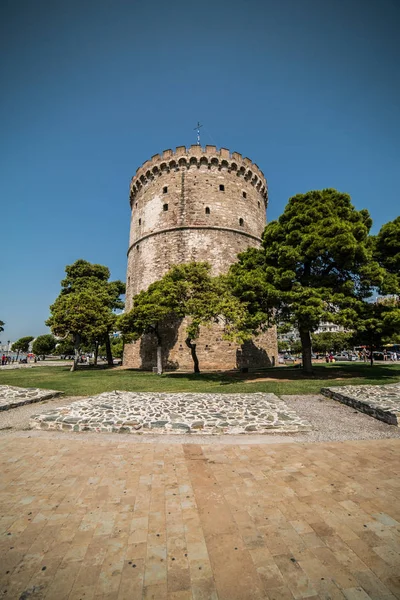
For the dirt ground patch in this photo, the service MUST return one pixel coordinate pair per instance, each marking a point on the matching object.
(261, 379)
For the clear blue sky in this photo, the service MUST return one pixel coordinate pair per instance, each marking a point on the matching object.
(308, 89)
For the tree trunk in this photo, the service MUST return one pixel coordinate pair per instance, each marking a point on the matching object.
(17, 355)
(305, 338)
(196, 368)
(108, 350)
(77, 343)
(96, 353)
(159, 352)
(159, 360)
(371, 345)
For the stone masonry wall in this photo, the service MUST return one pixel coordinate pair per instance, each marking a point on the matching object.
(194, 205)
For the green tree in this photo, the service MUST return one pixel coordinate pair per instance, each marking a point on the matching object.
(85, 307)
(316, 265)
(187, 290)
(377, 323)
(65, 347)
(283, 346)
(117, 347)
(22, 345)
(2, 326)
(335, 341)
(83, 274)
(295, 346)
(387, 253)
(44, 344)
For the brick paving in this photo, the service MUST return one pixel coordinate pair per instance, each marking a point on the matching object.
(90, 518)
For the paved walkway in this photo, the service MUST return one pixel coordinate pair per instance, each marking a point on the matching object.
(90, 517)
(133, 412)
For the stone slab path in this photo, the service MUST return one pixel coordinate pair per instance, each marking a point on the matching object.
(379, 401)
(87, 519)
(12, 396)
(129, 412)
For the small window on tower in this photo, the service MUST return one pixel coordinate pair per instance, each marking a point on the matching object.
(244, 194)
(140, 221)
(221, 187)
(259, 204)
(207, 210)
(165, 190)
(165, 207)
(241, 222)
(137, 247)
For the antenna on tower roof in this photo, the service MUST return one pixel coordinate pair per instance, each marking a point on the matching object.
(198, 132)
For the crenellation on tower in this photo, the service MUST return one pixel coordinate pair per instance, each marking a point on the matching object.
(197, 157)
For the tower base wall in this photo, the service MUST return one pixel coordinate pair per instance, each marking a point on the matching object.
(214, 353)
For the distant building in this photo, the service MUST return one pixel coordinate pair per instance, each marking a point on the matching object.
(293, 335)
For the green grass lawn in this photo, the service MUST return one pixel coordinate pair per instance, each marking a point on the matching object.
(282, 380)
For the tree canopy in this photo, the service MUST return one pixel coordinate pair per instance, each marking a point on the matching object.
(22, 345)
(387, 252)
(335, 341)
(44, 344)
(85, 307)
(187, 290)
(2, 326)
(316, 264)
(388, 246)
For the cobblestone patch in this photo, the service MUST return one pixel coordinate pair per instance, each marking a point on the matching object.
(128, 412)
(379, 401)
(12, 396)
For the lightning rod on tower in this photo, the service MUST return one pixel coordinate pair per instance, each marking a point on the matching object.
(198, 132)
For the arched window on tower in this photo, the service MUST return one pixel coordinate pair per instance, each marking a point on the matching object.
(241, 222)
(207, 210)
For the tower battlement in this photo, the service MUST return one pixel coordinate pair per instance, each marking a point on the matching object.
(201, 158)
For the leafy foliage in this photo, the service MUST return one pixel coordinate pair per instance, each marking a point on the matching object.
(117, 347)
(22, 345)
(283, 346)
(84, 308)
(335, 341)
(2, 326)
(187, 290)
(378, 323)
(387, 253)
(44, 344)
(65, 347)
(316, 265)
